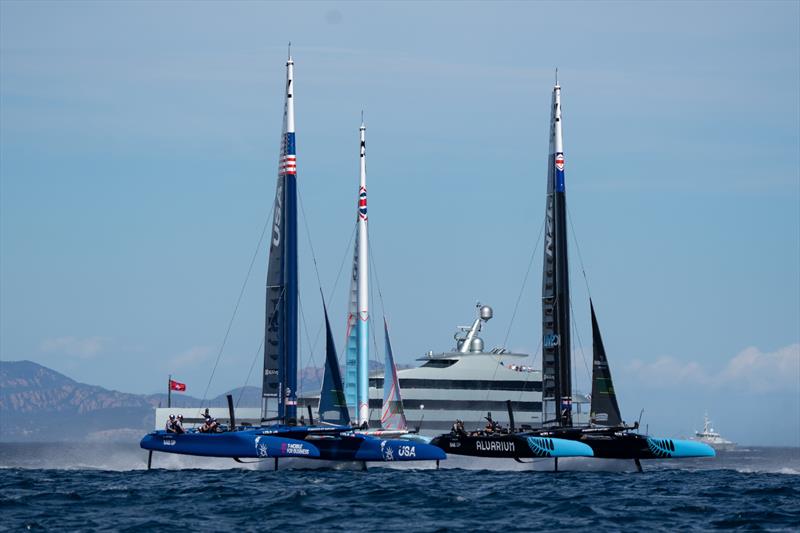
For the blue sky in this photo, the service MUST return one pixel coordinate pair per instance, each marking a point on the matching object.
(138, 147)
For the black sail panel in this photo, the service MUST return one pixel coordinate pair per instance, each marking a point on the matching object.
(604, 409)
(556, 356)
(332, 401)
(274, 333)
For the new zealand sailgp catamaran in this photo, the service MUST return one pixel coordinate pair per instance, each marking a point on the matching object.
(279, 435)
(606, 435)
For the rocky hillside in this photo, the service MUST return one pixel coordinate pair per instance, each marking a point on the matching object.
(40, 404)
(37, 403)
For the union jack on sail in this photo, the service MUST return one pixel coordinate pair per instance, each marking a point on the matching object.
(362, 203)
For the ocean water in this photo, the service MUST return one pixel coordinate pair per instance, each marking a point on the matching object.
(104, 486)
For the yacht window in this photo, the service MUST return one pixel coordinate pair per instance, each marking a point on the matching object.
(440, 363)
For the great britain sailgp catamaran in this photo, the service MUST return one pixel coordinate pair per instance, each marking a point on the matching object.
(606, 435)
(337, 400)
(279, 434)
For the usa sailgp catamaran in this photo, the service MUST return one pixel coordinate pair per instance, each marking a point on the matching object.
(279, 435)
(607, 436)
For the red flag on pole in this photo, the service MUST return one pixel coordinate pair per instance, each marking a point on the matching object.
(176, 385)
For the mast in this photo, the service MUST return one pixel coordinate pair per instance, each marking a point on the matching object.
(556, 364)
(279, 386)
(363, 286)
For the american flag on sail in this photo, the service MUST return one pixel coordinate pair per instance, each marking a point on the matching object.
(288, 163)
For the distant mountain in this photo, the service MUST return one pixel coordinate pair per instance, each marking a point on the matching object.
(37, 403)
(40, 404)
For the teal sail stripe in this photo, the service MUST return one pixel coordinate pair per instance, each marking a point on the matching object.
(351, 342)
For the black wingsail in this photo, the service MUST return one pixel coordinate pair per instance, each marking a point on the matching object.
(556, 363)
(332, 401)
(274, 328)
(604, 410)
(279, 394)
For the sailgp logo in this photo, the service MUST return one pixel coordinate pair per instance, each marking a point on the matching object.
(261, 449)
(387, 451)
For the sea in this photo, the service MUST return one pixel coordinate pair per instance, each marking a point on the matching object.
(106, 486)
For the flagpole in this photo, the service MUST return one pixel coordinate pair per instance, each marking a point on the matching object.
(169, 391)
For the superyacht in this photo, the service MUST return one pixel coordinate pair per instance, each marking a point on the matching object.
(712, 438)
(466, 383)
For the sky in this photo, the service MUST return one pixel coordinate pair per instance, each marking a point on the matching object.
(138, 151)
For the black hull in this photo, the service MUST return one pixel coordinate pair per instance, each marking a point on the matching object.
(621, 443)
(510, 446)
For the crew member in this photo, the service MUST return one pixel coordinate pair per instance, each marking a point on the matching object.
(177, 426)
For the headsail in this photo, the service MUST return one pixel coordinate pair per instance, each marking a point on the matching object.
(556, 364)
(604, 410)
(279, 394)
(392, 415)
(332, 403)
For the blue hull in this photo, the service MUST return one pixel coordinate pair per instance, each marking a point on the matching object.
(239, 444)
(310, 442)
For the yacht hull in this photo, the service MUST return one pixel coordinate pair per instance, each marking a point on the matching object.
(260, 444)
(616, 443)
(511, 446)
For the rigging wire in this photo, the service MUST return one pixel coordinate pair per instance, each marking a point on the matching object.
(336, 282)
(374, 273)
(308, 340)
(250, 372)
(578, 248)
(580, 345)
(308, 236)
(588, 291)
(238, 301)
(313, 345)
(377, 279)
(524, 282)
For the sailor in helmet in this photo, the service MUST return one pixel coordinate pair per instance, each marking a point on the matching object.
(170, 426)
(178, 425)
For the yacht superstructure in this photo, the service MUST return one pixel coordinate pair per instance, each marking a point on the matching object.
(465, 383)
(712, 438)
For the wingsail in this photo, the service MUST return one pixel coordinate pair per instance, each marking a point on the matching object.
(279, 395)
